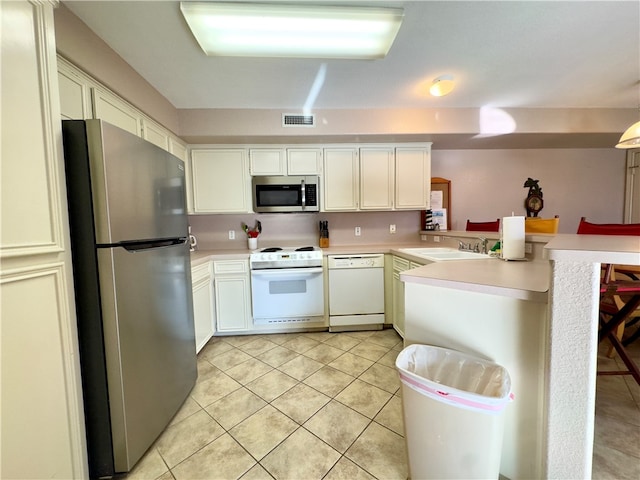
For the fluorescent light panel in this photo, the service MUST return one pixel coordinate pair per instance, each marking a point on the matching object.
(304, 31)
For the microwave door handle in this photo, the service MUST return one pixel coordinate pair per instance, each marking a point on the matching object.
(304, 194)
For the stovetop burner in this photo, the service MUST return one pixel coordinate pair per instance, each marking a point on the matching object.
(280, 249)
(271, 249)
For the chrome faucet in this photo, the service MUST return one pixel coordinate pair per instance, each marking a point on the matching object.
(464, 246)
(479, 247)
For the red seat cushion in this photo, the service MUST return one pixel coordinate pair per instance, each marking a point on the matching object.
(588, 228)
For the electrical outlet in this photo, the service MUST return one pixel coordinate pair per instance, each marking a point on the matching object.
(232, 234)
(423, 238)
(358, 231)
(392, 228)
(436, 238)
(528, 248)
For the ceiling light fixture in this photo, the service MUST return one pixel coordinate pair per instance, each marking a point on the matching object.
(303, 31)
(631, 137)
(441, 86)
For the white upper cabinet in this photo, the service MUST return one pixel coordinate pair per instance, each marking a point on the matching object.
(75, 98)
(178, 149)
(341, 185)
(154, 133)
(376, 178)
(304, 161)
(115, 111)
(82, 97)
(412, 178)
(285, 161)
(220, 180)
(267, 161)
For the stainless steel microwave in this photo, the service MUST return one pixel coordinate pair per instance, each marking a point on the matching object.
(286, 194)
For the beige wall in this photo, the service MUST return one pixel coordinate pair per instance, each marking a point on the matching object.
(298, 229)
(446, 128)
(488, 184)
(78, 44)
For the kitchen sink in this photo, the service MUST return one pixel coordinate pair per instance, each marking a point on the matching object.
(440, 254)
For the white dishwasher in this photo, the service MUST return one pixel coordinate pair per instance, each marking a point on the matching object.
(356, 292)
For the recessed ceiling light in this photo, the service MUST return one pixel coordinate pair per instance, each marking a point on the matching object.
(441, 86)
(284, 30)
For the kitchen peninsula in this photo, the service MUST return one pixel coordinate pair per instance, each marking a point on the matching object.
(539, 320)
(495, 310)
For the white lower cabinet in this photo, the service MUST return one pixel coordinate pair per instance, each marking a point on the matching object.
(232, 287)
(400, 265)
(203, 309)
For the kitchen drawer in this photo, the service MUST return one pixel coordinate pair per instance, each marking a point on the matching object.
(200, 272)
(222, 267)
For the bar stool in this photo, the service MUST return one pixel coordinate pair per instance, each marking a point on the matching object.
(483, 226)
(614, 315)
(533, 225)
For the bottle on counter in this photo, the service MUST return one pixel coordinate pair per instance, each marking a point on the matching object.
(324, 234)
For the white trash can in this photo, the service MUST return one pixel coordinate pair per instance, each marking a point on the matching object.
(452, 406)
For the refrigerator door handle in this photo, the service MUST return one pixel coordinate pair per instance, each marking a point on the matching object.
(136, 246)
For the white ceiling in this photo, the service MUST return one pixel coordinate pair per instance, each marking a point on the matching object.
(544, 54)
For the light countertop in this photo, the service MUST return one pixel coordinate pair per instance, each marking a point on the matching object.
(527, 280)
(200, 256)
(595, 249)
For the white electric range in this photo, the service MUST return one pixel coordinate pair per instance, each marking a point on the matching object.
(287, 287)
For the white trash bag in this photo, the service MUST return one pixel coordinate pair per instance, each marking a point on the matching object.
(452, 405)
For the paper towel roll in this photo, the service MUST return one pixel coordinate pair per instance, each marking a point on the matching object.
(512, 238)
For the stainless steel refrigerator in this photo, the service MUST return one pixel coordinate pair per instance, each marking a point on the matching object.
(130, 249)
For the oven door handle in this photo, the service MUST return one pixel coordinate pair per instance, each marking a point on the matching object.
(275, 272)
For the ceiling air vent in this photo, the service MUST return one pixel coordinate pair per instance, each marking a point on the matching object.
(294, 120)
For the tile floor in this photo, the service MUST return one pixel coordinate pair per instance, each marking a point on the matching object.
(327, 406)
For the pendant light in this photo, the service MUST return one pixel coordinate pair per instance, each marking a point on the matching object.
(631, 137)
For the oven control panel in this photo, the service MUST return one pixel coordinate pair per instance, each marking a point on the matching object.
(285, 259)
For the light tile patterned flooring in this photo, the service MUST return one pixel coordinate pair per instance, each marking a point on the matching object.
(327, 406)
(616, 450)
